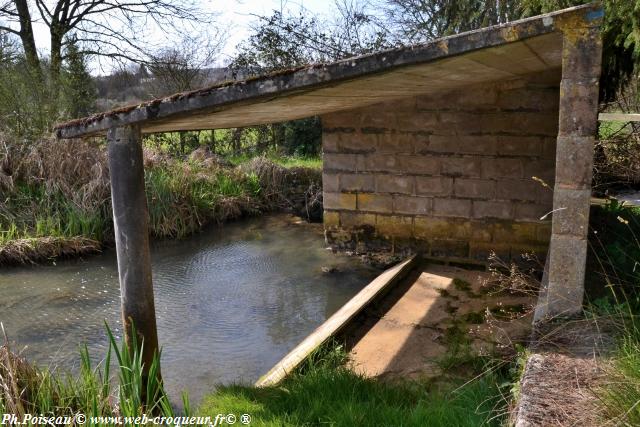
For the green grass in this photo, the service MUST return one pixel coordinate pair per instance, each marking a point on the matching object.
(285, 161)
(33, 211)
(329, 395)
(184, 196)
(25, 389)
(621, 394)
(610, 128)
(614, 268)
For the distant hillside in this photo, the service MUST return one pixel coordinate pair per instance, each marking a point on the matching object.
(127, 87)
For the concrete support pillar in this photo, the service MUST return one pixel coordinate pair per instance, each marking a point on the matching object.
(130, 219)
(563, 285)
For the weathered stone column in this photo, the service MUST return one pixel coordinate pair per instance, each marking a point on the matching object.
(563, 291)
(130, 220)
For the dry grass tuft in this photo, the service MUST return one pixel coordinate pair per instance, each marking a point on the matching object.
(17, 378)
(76, 168)
(558, 390)
(31, 251)
(296, 189)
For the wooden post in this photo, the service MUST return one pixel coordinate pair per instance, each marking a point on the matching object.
(130, 220)
(563, 284)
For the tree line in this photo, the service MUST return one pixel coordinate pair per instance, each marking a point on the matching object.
(40, 88)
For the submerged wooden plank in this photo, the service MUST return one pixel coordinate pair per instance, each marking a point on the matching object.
(336, 322)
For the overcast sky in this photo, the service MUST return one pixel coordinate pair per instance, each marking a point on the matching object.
(235, 15)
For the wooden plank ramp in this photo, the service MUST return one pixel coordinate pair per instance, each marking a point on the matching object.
(336, 322)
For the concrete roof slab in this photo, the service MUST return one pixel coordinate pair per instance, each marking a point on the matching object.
(490, 54)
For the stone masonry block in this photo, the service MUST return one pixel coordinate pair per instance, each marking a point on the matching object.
(468, 167)
(421, 141)
(339, 201)
(545, 195)
(331, 219)
(340, 119)
(477, 144)
(529, 99)
(514, 145)
(417, 121)
(400, 142)
(434, 185)
(379, 118)
(449, 248)
(493, 168)
(330, 182)
(549, 149)
(383, 163)
(475, 188)
(571, 212)
(419, 165)
(543, 233)
(479, 96)
(356, 142)
(375, 203)
(515, 232)
(342, 162)
(517, 189)
(531, 211)
(357, 182)
(330, 142)
(578, 107)
(394, 226)
(567, 260)
(446, 144)
(542, 169)
(581, 53)
(396, 184)
(411, 205)
(492, 209)
(525, 123)
(575, 154)
(428, 227)
(356, 220)
(452, 207)
(481, 231)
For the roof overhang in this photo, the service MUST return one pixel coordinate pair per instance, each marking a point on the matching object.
(490, 54)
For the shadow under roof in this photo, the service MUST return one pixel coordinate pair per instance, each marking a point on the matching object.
(489, 54)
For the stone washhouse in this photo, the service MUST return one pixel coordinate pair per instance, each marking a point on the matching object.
(474, 143)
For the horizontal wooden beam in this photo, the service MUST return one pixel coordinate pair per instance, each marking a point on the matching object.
(336, 322)
(618, 117)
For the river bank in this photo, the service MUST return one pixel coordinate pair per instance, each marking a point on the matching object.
(56, 196)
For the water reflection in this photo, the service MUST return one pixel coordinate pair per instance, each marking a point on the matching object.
(230, 301)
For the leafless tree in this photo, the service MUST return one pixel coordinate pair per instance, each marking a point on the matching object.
(421, 20)
(104, 28)
(184, 66)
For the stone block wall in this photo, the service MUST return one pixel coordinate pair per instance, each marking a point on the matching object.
(453, 175)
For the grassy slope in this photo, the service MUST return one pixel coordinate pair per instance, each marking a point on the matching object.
(323, 391)
(338, 397)
(614, 264)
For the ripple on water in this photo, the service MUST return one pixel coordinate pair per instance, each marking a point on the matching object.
(230, 301)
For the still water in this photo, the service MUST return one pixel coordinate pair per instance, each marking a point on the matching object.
(230, 301)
